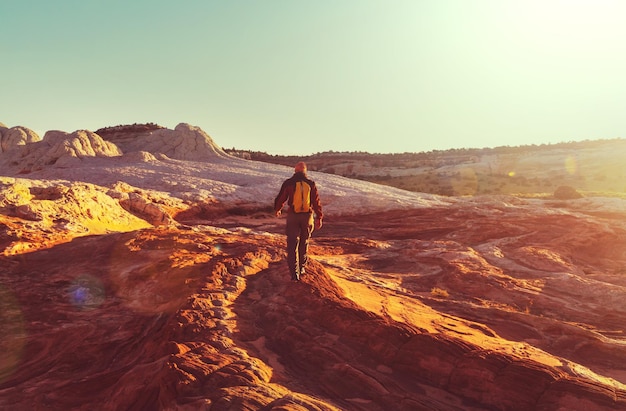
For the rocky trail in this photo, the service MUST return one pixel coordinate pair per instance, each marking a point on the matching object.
(430, 309)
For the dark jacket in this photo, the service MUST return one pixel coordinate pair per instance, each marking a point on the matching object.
(287, 190)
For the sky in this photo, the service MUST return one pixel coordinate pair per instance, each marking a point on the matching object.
(300, 77)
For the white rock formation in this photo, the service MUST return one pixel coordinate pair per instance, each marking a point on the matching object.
(177, 169)
(15, 137)
(60, 149)
(185, 142)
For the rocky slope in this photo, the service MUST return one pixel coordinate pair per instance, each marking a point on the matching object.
(182, 301)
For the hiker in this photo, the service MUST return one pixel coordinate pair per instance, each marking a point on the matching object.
(301, 195)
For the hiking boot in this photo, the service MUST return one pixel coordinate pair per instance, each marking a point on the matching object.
(302, 271)
(295, 277)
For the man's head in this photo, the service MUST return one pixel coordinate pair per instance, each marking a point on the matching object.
(300, 167)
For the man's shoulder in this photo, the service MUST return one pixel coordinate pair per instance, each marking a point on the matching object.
(289, 183)
(295, 178)
(307, 180)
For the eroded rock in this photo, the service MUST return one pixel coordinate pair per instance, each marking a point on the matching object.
(185, 142)
(14, 137)
(60, 149)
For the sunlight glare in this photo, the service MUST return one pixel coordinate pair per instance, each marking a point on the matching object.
(570, 165)
(568, 27)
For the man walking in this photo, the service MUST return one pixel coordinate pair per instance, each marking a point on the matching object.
(301, 195)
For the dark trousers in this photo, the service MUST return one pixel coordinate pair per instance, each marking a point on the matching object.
(299, 230)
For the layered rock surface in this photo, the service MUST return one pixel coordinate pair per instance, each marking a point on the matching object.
(16, 136)
(129, 294)
(185, 142)
(206, 318)
(58, 148)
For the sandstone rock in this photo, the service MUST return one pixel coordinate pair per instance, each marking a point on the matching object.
(172, 319)
(139, 205)
(81, 143)
(204, 316)
(59, 148)
(52, 192)
(14, 194)
(185, 142)
(28, 212)
(65, 210)
(7, 236)
(140, 156)
(16, 136)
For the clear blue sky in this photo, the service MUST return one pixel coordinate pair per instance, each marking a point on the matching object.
(301, 76)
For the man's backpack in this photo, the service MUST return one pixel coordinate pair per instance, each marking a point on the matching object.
(302, 197)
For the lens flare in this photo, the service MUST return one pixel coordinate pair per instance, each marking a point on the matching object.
(13, 335)
(86, 292)
(571, 165)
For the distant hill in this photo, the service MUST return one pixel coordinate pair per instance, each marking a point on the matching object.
(592, 167)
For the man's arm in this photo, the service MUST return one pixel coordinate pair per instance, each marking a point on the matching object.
(317, 207)
(280, 199)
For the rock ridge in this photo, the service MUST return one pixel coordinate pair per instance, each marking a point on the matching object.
(59, 149)
(185, 142)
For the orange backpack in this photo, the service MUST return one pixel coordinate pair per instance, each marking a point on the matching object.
(302, 197)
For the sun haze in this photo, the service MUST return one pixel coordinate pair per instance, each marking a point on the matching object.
(303, 77)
